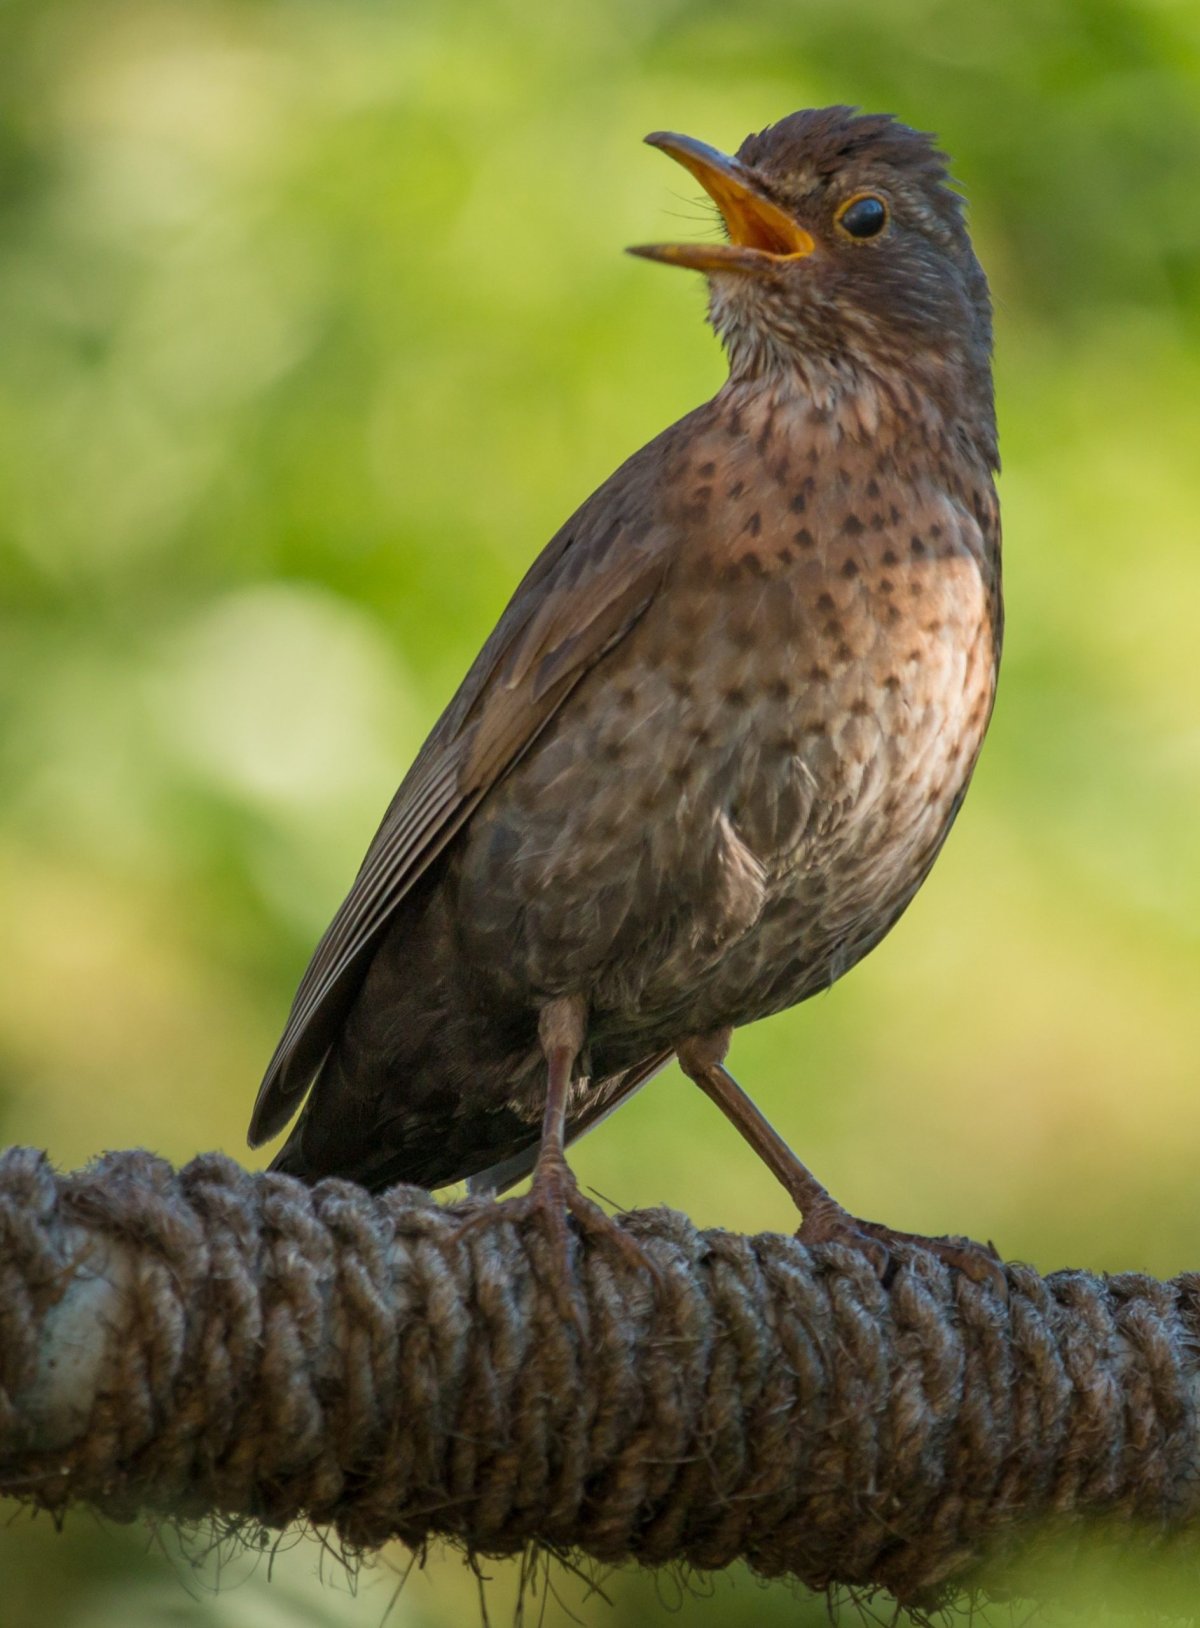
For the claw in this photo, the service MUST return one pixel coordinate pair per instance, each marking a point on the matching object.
(553, 1197)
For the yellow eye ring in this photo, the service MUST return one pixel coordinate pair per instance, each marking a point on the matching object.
(865, 215)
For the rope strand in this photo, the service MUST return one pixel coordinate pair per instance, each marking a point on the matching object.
(213, 1342)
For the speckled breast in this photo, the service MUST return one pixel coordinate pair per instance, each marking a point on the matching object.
(737, 803)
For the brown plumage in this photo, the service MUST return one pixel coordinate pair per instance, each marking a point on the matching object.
(719, 735)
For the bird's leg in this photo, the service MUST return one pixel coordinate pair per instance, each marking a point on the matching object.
(702, 1059)
(554, 1192)
(561, 1029)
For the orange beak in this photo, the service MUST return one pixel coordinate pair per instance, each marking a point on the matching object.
(761, 233)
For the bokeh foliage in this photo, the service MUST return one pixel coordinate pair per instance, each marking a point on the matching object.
(313, 327)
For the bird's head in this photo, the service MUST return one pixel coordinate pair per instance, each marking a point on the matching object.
(847, 258)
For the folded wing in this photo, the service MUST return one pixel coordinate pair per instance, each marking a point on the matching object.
(582, 595)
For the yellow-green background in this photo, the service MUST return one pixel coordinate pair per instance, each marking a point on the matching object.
(314, 325)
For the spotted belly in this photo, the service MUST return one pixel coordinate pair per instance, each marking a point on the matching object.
(735, 819)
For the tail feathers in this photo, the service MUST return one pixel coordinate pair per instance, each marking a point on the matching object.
(376, 1158)
(339, 1133)
(391, 1135)
(371, 1163)
(498, 1178)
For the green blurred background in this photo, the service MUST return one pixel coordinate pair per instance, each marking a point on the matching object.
(314, 325)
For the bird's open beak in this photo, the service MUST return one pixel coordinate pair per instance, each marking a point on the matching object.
(761, 234)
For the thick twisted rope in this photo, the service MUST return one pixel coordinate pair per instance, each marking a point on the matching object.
(209, 1341)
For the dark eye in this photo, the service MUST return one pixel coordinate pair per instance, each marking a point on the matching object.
(864, 216)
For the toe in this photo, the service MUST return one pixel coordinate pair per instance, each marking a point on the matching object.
(598, 1224)
(886, 1248)
(978, 1263)
(830, 1224)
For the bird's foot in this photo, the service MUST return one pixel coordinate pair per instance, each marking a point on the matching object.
(553, 1197)
(827, 1222)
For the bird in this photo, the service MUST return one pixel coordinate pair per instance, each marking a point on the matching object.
(719, 734)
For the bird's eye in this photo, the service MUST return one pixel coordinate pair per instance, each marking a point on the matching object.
(863, 216)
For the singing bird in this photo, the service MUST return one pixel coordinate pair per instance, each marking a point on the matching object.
(719, 735)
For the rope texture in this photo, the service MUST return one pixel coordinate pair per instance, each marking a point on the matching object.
(210, 1341)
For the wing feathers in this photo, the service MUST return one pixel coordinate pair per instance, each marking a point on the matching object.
(393, 863)
(578, 600)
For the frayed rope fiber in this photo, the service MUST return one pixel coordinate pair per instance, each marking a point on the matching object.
(213, 1342)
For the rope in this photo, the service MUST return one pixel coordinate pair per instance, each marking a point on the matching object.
(213, 1342)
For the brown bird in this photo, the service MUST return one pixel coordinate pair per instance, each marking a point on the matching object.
(719, 735)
